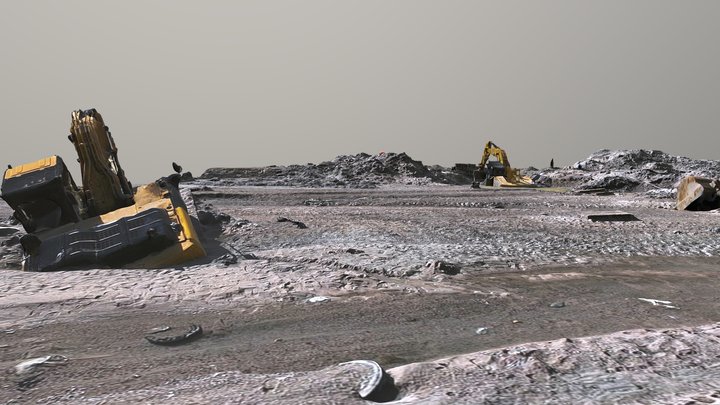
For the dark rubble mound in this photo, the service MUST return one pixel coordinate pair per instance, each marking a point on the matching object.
(631, 170)
(351, 171)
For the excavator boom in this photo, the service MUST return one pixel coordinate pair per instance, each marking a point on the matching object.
(104, 184)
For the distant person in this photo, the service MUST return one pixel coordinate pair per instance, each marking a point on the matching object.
(552, 163)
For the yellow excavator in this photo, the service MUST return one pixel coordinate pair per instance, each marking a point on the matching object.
(105, 222)
(498, 173)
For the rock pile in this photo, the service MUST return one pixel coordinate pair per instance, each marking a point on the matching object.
(651, 171)
(630, 170)
(347, 171)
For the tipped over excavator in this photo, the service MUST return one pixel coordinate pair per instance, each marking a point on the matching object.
(498, 172)
(105, 222)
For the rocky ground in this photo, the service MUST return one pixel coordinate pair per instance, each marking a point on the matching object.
(463, 296)
(654, 172)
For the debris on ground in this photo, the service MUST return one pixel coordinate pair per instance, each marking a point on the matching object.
(616, 216)
(195, 332)
(482, 331)
(317, 299)
(227, 259)
(630, 170)
(318, 203)
(158, 329)
(208, 217)
(661, 303)
(438, 266)
(558, 304)
(375, 385)
(299, 224)
(30, 365)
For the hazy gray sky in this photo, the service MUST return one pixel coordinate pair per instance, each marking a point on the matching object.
(247, 83)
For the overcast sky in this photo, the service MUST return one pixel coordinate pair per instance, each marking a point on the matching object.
(248, 83)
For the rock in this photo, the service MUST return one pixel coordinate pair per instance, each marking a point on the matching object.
(443, 267)
(409, 272)
(226, 259)
(318, 299)
(299, 224)
(7, 230)
(541, 179)
(318, 203)
(12, 241)
(632, 170)
(558, 304)
(611, 182)
(212, 218)
(661, 193)
(482, 331)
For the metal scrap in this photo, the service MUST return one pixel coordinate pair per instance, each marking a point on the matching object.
(193, 333)
(662, 303)
(292, 221)
(31, 364)
(615, 216)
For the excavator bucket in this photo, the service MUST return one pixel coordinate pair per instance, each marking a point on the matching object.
(519, 181)
(698, 194)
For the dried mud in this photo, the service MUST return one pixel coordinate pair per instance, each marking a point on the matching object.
(445, 287)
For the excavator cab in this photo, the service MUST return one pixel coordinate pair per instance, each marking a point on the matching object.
(492, 169)
(42, 194)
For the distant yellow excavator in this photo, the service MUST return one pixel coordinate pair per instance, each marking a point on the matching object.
(105, 223)
(498, 173)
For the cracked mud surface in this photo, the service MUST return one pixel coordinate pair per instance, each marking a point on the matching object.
(411, 274)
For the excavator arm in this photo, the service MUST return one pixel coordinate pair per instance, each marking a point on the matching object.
(105, 186)
(493, 150)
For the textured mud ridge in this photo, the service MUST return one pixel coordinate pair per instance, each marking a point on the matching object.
(646, 366)
(667, 366)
